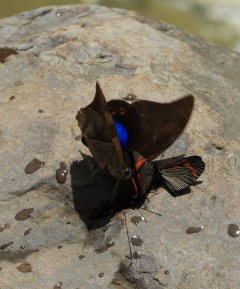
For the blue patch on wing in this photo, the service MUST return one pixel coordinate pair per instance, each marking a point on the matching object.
(122, 133)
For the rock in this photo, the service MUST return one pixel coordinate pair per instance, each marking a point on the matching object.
(51, 60)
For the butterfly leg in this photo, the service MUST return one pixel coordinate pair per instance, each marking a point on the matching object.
(115, 189)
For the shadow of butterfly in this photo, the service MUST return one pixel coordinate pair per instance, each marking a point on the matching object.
(123, 138)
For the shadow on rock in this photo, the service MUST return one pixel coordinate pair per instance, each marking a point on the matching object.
(92, 200)
(93, 189)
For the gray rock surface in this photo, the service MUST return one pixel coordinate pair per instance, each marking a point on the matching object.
(50, 61)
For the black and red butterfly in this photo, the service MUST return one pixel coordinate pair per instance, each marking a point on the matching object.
(123, 139)
(175, 176)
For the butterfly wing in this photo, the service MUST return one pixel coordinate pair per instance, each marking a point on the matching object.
(183, 173)
(152, 126)
(144, 172)
(100, 135)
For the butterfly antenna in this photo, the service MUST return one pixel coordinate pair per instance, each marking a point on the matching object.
(130, 249)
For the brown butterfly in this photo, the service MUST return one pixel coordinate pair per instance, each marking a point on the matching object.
(118, 134)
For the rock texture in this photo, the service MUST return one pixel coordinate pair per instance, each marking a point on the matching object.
(50, 61)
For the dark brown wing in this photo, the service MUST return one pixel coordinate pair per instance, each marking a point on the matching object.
(152, 126)
(95, 120)
(100, 135)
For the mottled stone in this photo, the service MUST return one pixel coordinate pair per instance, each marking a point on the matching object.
(60, 53)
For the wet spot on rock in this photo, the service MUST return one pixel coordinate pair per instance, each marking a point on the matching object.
(24, 214)
(33, 166)
(136, 240)
(78, 138)
(137, 255)
(193, 230)
(40, 111)
(27, 232)
(233, 230)
(137, 219)
(213, 199)
(61, 173)
(130, 97)
(25, 267)
(58, 285)
(5, 52)
(101, 275)
(59, 12)
(12, 97)
(4, 246)
(4, 227)
(104, 247)
(166, 272)
(218, 147)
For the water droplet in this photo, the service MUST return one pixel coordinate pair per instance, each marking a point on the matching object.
(104, 247)
(101, 275)
(25, 267)
(137, 219)
(58, 285)
(137, 255)
(27, 232)
(59, 13)
(233, 230)
(193, 230)
(136, 240)
(82, 257)
(33, 166)
(78, 138)
(130, 97)
(166, 272)
(24, 214)
(61, 173)
(4, 227)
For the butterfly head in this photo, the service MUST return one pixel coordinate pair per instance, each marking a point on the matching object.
(118, 109)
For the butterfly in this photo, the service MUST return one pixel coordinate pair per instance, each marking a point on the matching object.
(123, 139)
(175, 176)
